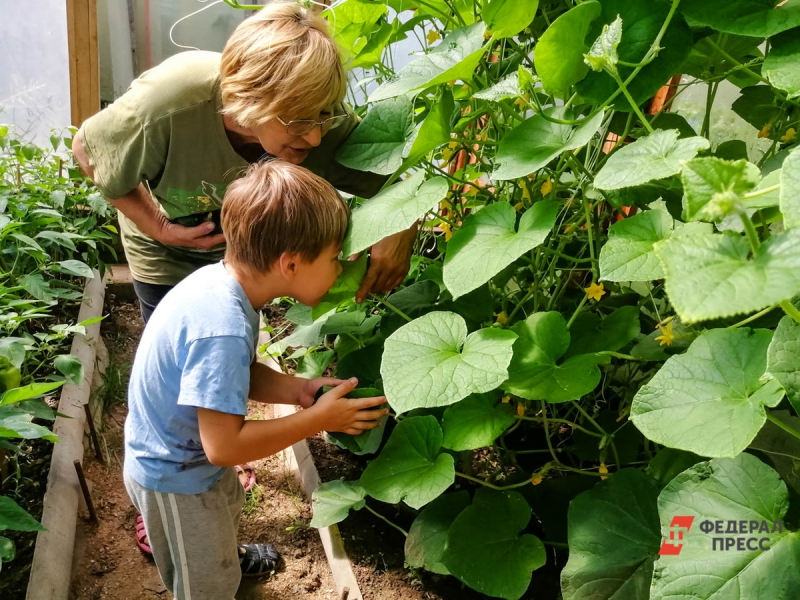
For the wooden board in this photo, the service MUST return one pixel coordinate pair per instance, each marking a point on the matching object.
(84, 63)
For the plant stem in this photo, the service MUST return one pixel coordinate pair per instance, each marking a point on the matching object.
(555, 544)
(577, 311)
(385, 520)
(782, 425)
(790, 310)
(752, 234)
(619, 355)
(391, 307)
(752, 318)
(565, 421)
(632, 102)
(600, 429)
(757, 193)
(493, 486)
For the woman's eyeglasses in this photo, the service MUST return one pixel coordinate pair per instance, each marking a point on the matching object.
(303, 126)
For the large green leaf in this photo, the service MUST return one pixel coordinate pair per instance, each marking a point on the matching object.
(433, 362)
(313, 364)
(506, 18)
(305, 336)
(535, 142)
(36, 286)
(742, 490)
(757, 18)
(783, 359)
(353, 20)
(590, 334)
(641, 22)
(410, 467)
(456, 57)
(628, 255)
(332, 502)
(26, 392)
(535, 373)
(70, 367)
(710, 276)
(790, 190)
(435, 129)
(559, 53)
(393, 210)
(370, 53)
(710, 400)
(782, 65)
(655, 156)
(757, 105)
(75, 267)
(488, 241)
(427, 537)
(485, 549)
(613, 539)
(16, 423)
(713, 188)
(377, 144)
(475, 422)
(14, 517)
(510, 86)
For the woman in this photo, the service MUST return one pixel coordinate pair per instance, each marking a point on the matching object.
(164, 153)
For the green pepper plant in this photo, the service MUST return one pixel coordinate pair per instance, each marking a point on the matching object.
(54, 230)
(600, 327)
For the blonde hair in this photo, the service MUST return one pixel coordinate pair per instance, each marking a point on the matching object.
(279, 207)
(280, 61)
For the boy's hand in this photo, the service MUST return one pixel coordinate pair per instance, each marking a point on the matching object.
(347, 415)
(309, 390)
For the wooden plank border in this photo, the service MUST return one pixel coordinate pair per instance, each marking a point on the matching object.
(51, 570)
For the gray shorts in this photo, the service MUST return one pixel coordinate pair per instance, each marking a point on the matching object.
(193, 537)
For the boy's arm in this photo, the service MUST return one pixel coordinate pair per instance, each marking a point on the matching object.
(230, 440)
(273, 387)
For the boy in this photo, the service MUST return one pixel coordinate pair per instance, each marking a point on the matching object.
(195, 369)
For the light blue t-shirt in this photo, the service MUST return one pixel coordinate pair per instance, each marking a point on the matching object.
(196, 351)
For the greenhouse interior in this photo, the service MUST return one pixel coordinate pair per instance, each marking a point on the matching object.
(400, 300)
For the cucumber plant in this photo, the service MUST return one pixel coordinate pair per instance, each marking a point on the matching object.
(600, 327)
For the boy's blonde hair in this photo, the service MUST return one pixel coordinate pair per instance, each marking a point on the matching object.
(280, 62)
(279, 207)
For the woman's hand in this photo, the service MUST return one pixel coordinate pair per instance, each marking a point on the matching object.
(199, 236)
(390, 260)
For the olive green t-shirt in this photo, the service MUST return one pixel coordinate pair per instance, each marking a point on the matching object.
(166, 131)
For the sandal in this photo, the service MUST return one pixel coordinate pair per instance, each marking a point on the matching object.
(250, 476)
(141, 537)
(258, 559)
